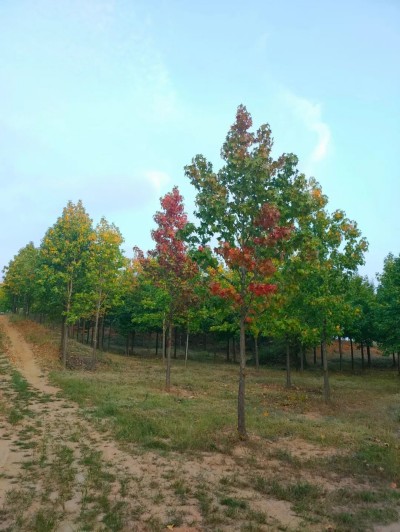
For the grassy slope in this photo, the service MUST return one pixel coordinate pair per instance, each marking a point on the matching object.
(126, 396)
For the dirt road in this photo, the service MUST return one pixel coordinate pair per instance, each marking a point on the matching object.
(58, 472)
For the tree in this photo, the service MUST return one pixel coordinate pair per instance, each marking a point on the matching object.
(169, 265)
(64, 257)
(104, 262)
(388, 309)
(237, 205)
(360, 324)
(331, 251)
(20, 278)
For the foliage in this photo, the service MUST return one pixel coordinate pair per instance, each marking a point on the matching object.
(388, 310)
(20, 277)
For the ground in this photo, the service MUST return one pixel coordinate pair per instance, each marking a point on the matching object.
(59, 471)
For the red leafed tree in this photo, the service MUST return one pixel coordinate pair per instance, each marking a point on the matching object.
(237, 205)
(169, 265)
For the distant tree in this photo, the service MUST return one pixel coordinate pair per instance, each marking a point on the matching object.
(360, 324)
(64, 259)
(20, 278)
(103, 271)
(388, 308)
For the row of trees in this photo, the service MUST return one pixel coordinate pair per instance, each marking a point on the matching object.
(265, 257)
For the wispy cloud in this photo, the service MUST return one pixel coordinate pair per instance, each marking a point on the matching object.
(310, 114)
(157, 179)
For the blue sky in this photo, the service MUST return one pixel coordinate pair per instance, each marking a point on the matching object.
(107, 100)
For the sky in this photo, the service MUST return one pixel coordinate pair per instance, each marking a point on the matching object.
(107, 100)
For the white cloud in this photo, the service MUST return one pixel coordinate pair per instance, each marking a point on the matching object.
(310, 114)
(157, 179)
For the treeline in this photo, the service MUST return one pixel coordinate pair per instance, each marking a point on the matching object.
(266, 258)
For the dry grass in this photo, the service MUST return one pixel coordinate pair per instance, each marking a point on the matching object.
(332, 465)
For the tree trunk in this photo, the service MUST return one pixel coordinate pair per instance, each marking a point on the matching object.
(315, 355)
(369, 355)
(302, 357)
(96, 326)
(103, 333)
(327, 391)
(234, 349)
(398, 362)
(227, 349)
(242, 376)
(164, 330)
(394, 359)
(156, 344)
(88, 332)
(322, 355)
(340, 353)
(362, 356)
(65, 326)
(256, 352)
(168, 369)
(352, 355)
(187, 345)
(109, 337)
(175, 340)
(288, 369)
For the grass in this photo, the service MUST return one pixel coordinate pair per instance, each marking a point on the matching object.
(354, 438)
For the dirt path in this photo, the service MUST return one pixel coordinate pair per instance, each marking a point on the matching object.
(57, 472)
(60, 472)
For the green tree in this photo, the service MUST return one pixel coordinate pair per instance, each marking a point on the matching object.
(103, 270)
(388, 309)
(64, 258)
(20, 278)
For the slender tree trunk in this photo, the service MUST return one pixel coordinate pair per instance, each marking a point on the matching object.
(234, 349)
(352, 355)
(288, 369)
(168, 369)
(369, 355)
(187, 345)
(362, 356)
(302, 358)
(96, 326)
(340, 353)
(394, 359)
(322, 354)
(227, 349)
(164, 331)
(109, 337)
(242, 377)
(133, 336)
(256, 352)
(327, 390)
(175, 340)
(103, 333)
(205, 341)
(315, 355)
(65, 328)
(63, 325)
